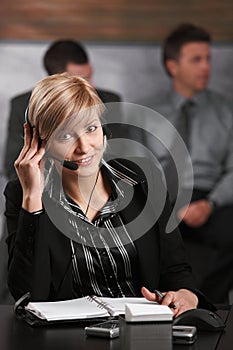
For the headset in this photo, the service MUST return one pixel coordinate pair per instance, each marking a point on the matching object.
(66, 163)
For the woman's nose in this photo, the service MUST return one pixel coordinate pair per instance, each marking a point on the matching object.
(82, 144)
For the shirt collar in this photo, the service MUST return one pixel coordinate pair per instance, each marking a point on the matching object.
(118, 181)
(178, 100)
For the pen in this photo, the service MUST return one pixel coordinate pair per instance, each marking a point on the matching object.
(159, 294)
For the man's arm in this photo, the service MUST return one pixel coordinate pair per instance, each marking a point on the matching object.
(222, 193)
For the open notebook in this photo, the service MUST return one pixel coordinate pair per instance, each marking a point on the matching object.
(93, 307)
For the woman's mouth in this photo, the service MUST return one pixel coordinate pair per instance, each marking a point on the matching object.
(84, 161)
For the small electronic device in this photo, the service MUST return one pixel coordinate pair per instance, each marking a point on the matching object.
(204, 320)
(107, 329)
(184, 334)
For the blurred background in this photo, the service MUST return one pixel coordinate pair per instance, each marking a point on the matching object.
(123, 39)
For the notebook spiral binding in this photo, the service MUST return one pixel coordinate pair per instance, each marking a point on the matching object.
(101, 304)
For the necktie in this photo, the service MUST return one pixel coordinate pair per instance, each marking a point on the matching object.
(183, 125)
(183, 128)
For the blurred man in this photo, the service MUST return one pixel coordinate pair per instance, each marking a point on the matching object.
(204, 120)
(62, 55)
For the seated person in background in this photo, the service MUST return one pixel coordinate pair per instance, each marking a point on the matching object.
(62, 56)
(73, 232)
(206, 125)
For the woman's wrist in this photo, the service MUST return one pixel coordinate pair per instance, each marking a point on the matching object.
(32, 203)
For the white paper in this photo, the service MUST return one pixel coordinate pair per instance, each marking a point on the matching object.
(147, 312)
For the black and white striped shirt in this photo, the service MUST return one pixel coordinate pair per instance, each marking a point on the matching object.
(106, 266)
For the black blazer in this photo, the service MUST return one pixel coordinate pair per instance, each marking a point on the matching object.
(40, 255)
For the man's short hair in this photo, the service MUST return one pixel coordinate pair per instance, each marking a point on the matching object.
(62, 52)
(183, 34)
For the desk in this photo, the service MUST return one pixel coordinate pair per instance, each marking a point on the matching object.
(17, 335)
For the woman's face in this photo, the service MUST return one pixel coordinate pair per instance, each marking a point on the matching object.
(79, 142)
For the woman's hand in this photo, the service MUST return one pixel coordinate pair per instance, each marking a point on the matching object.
(183, 299)
(30, 170)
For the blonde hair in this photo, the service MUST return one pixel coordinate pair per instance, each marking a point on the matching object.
(57, 98)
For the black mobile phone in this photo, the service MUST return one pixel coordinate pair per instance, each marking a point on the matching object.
(107, 329)
(184, 334)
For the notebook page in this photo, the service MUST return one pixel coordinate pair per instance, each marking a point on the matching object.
(117, 305)
(66, 310)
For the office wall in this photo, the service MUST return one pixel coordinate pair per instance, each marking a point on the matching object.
(112, 20)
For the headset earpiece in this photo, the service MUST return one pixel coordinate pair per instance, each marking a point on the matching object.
(31, 128)
(27, 120)
(106, 131)
(26, 116)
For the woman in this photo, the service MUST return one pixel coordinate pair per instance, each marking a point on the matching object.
(70, 230)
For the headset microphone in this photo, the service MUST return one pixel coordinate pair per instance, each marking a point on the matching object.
(67, 164)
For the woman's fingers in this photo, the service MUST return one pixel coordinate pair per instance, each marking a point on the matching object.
(149, 295)
(32, 162)
(30, 148)
(26, 146)
(33, 148)
(183, 299)
(29, 165)
(169, 298)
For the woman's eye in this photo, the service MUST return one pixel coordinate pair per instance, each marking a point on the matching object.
(65, 136)
(91, 128)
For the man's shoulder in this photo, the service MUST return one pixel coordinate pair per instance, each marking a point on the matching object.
(163, 103)
(22, 98)
(13, 188)
(223, 107)
(219, 98)
(108, 96)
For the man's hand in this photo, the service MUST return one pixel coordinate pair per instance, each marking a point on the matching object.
(196, 213)
(183, 299)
